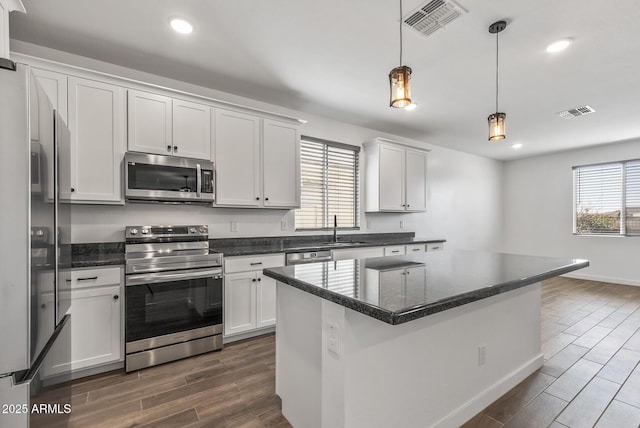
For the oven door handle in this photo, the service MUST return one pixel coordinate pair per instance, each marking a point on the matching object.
(153, 278)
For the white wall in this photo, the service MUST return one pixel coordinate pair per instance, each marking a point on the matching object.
(464, 190)
(538, 214)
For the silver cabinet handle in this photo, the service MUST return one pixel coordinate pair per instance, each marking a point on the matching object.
(198, 179)
(395, 251)
(169, 149)
(255, 263)
(175, 149)
(86, 278)
(416, 249)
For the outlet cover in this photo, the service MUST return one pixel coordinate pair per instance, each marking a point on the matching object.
(234, 226)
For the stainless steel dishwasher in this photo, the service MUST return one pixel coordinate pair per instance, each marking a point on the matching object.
(308, 257)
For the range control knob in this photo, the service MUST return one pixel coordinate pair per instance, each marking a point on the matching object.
(202, 230)
(192, 230)
(145, 231)
(133, 231)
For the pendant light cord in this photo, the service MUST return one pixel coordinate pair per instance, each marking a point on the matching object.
(497, 63)
(400, 32)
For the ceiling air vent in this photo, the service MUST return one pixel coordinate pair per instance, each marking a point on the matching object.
(575, 112)
(433, 15)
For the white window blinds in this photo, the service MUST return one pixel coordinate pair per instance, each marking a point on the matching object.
(632, 196)
(607, 198)
(329, 185)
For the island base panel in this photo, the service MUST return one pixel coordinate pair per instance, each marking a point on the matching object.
(426, 372)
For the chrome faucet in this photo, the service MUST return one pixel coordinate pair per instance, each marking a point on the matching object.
(335, 228)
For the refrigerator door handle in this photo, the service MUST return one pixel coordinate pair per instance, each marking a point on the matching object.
(35, 367)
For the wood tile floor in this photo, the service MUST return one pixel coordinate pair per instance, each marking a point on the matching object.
(591, 376)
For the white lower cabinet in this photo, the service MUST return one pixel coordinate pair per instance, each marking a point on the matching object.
(96, 321)
(249, 296)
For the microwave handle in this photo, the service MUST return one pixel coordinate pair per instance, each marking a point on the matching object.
(198, 180)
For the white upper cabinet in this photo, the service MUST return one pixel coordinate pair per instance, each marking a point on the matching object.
(237, 159)
(166, 126)
(191, 130)
(395, 177)
(150, 124)
(280, 164)
(257, 161)
(97, 115)
(54, 86)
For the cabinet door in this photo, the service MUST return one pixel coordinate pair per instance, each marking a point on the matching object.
(95, 330)
(266, 301)
(281, 165)
(98, 140)
(416, 184)
(239, 302)
(392, 173)
(415, 285)
(54, 86)
(191, 130)
(237, 159)
(392, 290)
(150, 123)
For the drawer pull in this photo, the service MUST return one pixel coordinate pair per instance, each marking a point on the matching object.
(87, 278)
(395, 251)
(416, 249)
(255, 263)
(435, 248)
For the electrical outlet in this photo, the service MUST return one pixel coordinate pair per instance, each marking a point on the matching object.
(234, 226)
(333, 338)
(482, 355)
(283, 224)
(401, 224)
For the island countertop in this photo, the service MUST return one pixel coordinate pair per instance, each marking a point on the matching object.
(399, 289)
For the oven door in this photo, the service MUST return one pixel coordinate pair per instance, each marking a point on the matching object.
(166, 178)
(164, 303)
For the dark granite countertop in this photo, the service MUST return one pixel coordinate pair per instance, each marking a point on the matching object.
(112, 253)
(399, 289)
(98, 254)
(291, 244)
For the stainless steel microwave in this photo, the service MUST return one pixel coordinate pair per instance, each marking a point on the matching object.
(158, 178)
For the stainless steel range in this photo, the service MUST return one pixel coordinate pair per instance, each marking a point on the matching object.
(173, 294)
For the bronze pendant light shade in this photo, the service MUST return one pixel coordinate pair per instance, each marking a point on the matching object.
(497, 120)
(400, 79)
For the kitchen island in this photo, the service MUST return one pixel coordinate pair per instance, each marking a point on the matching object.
(412, 341)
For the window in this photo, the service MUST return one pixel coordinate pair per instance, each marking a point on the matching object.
(607, 198)
(330, 185)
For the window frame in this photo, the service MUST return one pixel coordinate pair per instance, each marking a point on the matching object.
(622, 231)
(356, 185)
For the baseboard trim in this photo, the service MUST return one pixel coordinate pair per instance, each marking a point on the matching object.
(622, 281)
(474, 406)
(248, 335)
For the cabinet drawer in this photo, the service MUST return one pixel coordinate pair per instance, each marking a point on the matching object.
(247, 263)
(415, 248)
(435, 246)
(394, 250)
(80, 278)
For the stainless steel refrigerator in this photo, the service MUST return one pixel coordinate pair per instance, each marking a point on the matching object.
(34, 254)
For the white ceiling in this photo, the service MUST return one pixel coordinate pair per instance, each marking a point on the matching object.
(332, 58)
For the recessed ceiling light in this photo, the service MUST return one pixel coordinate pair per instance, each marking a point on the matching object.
(181, 25)
(558, 46)
(516, 146)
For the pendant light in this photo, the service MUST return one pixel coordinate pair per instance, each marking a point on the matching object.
(497, 120)
(400, 79)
